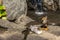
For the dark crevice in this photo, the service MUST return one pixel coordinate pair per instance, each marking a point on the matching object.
(12, 20)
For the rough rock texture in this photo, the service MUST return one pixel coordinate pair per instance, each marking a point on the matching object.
(15, 29)
(15, 8)
(15, 34)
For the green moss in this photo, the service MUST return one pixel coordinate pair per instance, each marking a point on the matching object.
(2, 11)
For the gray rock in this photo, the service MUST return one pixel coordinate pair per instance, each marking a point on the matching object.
(15, 8)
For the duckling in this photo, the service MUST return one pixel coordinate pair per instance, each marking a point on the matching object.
(44, 23)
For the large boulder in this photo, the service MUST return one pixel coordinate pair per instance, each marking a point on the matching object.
(15, 8)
